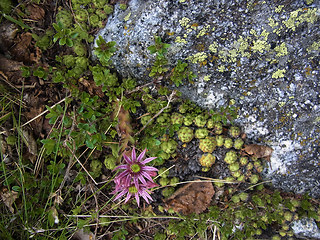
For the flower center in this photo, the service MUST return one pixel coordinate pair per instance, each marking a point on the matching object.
(135, 168)
(133, 190)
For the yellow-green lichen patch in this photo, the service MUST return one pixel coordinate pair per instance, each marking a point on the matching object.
(265, 34)
(300, 16)
(207, 78)
(233, 55)
(279, 73)
(272, 22)
(197, 57)
(214, 47)
(203, 31)
(260, 46)
(223, 55)
(244, 45)
(184, 22)
(180, 40)
(221, 68)
(281, 50)
(253, 32)
(278, 30)
(315, 46)
(126, 18)
(278, 9)
(281, 104)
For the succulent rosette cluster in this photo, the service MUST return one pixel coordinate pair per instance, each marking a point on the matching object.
(136, 179)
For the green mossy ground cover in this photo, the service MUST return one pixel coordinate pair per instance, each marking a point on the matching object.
(66, 120)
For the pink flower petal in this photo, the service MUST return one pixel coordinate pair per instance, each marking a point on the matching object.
(133, 155)
(121, 167)
(127, 180)
(141, 155)
(147, 176)
(122, 176)
(141, 178)
(136, 183)
(148, 160)
(137, 198)
(145, 195)
(148, 168)
(120, 194)
(151, 185)
(152, 174)
(127, 159)
(128, 197)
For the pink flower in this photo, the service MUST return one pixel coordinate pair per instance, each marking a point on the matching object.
(141, 190)
(135, 169)
(136, 178)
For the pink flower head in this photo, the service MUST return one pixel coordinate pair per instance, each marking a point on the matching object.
(135, 170)
(141, 190)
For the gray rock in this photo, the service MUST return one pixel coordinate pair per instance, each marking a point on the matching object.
(264, 56)
(306, 227)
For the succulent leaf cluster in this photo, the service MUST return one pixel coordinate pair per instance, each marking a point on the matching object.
(207, 160)
(185, 134)
(208, 144)
(177, 118)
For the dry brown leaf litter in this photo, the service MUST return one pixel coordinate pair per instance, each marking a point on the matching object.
(194, 197)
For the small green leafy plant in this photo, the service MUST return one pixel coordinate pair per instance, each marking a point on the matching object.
(104, 51)
(65, 35)
(181, 72)
(160, 49)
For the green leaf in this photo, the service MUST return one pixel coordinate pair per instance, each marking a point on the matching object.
(56, 27)
(89, 144)
(62, 41)
(20, 23)
(39, 72)
(152, 49)
(56, 37)
(69, 42)
(74, 35)
(16, 188)
(25, 71)
(166, 45)
(50, 218)
(49, 145)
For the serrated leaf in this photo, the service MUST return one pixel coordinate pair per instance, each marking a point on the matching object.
(89, 144)
(49, 145)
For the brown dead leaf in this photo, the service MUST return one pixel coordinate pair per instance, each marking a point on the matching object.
(20, 51)
(194, 197)
(7, 65)
(35, 12)
(37, 123)
(92, 88)
(8, 197)
(31, 143)
(10, 71)
(258, 151)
